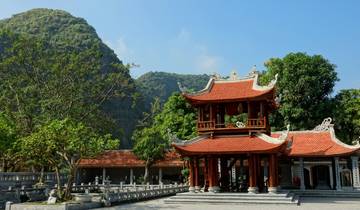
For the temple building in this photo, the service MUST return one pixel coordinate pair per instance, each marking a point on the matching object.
(122, 166)
(236, 151)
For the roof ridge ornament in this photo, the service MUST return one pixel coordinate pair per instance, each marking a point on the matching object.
(273, 81)
(233, 75)
(281, 139)
(182, 88)
(325, 125)
(253, 71)
(284, 134)
(216, 76)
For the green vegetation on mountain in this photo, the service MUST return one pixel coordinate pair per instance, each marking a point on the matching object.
(163, 84)
(65, 39)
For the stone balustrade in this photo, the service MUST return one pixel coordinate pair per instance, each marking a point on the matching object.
(142, 192)
(13, 179)
(109, 193)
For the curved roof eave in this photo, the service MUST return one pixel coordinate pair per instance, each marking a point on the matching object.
(253, 76)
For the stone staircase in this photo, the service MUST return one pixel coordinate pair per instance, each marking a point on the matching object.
(233, 198)
(327, 193)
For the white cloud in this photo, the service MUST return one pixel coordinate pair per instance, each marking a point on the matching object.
(191, 56)
(121, 49)
(208, 63)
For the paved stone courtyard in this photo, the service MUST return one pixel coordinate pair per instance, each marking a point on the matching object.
(306, 203)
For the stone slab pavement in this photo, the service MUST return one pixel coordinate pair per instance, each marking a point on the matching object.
(306, 204)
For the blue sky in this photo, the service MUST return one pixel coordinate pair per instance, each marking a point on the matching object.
(217, 36)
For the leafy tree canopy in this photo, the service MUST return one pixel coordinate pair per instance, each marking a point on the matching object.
(8, 141)
(177, 117)
(347, 115)
(305, 84)
(152, 139)
(65, 142)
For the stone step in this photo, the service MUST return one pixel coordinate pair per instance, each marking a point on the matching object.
(327, 193)
(231, 198)
(220, 201)
(263, 195)
(234, 198)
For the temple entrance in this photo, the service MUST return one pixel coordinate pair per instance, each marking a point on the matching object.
(235, 174)
(320, 177)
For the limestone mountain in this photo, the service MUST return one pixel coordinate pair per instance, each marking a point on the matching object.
(65, 33)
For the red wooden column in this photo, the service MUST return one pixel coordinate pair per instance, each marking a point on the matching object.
(259, 174)
(252, 174)
(273, 173)
(191, 175)
(206, 174)
(196, 175)
(213, 174)
(210, 172)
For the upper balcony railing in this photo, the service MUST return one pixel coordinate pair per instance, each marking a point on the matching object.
(251, 123)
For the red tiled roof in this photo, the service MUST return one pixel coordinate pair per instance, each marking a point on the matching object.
(126, 158)
(317, 144)
(228, 90)
(228, 145)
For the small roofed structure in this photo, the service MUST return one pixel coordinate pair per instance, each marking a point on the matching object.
(124, 166)
(126, 158)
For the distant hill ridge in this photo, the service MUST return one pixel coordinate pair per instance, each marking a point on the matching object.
(163, 84)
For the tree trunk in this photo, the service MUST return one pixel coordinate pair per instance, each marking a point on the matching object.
(41, 178)
(147, 169)
(58, 182)
(3, 165)
(70, 181)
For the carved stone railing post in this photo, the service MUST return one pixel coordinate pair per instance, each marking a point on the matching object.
(355, 171)
(337, 173)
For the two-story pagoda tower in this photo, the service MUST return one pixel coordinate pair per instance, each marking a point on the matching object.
(234, 150)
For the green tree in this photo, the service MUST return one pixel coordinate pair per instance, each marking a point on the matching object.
(347, 115)
(150, 146)
(305, 84)
(177, 117)
(8, 140)
(66, 142)
(152, 138)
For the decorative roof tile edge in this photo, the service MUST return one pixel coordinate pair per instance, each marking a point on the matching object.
(337, 141)
(179, 142)
(253, 75)
(326, 126)
(270, 86)
(281, 139)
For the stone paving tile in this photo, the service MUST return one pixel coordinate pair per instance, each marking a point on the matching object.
(306, 204)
